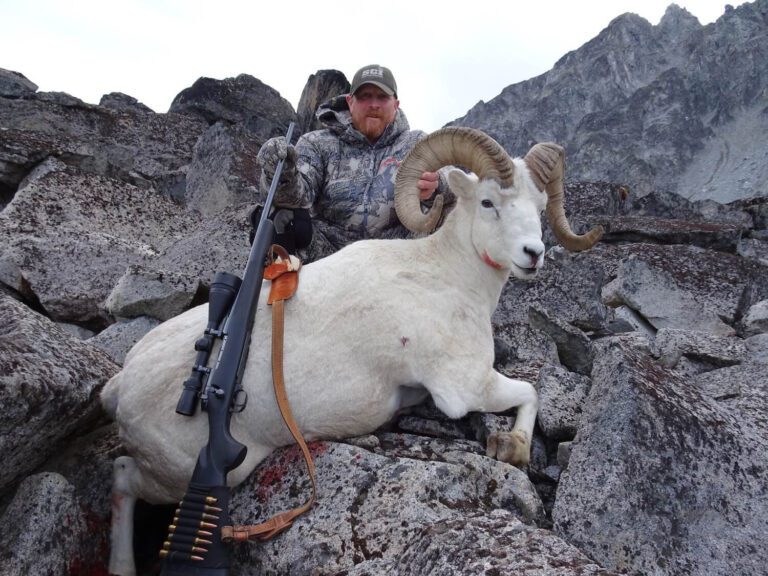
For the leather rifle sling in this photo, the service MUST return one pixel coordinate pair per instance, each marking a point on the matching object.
(284, 276)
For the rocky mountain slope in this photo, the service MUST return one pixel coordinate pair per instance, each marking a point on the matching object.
(649, 352)
(678, 106)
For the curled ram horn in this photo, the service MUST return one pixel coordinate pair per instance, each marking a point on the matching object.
(457, 146)
(546, 165)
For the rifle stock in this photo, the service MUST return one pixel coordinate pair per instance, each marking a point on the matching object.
(194, 546)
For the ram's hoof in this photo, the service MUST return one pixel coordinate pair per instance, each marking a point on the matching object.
(511, 447)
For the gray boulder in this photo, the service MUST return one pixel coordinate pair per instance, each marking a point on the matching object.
(69, 256)
(50, 385)
(44, 529)
(123, 102)
(681, 286)
(381, 507)
(118, 338)
(562, 396)
(142, 292)
(756, 320)
(674, 477)
(58, 520)
(242, 100)
(223, 171)
(321, 86)
(15, 85)
(127, 143)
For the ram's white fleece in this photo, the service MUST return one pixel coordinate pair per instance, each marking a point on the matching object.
(368, 325)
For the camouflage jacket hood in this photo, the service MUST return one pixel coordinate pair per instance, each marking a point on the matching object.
(348, 182)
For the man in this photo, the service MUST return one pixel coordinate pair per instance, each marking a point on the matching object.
(344, 174)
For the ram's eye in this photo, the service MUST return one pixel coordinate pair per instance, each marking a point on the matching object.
(486, 204)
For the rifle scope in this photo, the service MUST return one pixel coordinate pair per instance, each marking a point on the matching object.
(222, 294)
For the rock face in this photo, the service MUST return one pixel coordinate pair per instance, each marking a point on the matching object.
(320, 87)
(105, 222)
(657, 436)
(127, 144)
(449, 509)
(649, 351)
(15, 85)
(241, 100)
(49, 383)
(678, 106)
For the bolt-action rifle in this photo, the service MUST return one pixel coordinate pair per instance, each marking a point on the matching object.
(194, 546)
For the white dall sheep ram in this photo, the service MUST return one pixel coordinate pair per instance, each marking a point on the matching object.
(372, 328)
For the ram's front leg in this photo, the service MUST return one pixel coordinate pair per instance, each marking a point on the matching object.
(514, 446)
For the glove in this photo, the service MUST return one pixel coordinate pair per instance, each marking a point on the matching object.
(271, 152)
(282, 219)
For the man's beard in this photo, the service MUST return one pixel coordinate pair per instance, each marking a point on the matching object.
(373, 127)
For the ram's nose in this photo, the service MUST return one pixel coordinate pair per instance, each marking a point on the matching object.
(534, 252)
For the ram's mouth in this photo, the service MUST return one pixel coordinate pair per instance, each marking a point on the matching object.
(527, 272)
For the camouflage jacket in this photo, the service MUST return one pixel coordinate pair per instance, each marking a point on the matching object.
(345, 180)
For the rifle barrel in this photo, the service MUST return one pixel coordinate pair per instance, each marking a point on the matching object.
(222, 453)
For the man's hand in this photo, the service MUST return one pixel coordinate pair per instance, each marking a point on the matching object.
(271, 152)
(427, 185)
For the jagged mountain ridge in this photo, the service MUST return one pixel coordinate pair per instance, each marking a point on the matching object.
(678, 106)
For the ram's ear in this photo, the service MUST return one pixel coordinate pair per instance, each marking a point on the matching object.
(462, 184)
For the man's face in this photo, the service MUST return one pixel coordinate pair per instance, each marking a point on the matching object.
(372, 110)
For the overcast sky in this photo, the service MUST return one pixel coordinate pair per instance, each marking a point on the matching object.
(446, 55)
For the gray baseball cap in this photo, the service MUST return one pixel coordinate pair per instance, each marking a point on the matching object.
(376, 75)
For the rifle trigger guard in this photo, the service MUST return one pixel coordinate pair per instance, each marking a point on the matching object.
(240, 401)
